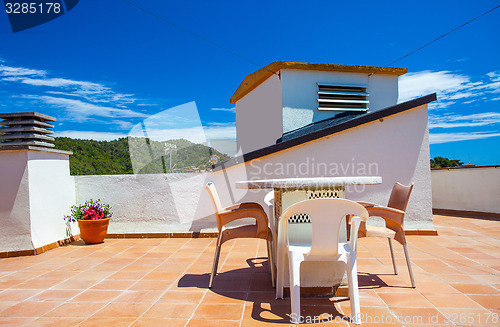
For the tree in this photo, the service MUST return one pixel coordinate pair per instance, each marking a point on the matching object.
(91, 157)
(441, 162)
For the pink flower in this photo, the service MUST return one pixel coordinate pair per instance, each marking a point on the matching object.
(93, 213)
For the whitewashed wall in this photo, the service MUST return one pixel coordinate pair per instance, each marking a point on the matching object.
(467, 189)
(15, 233)
(156, 203)
(300, 93)
(36, 191)
(259, 117)
(281, 104)
(52, 193)
(163, 203)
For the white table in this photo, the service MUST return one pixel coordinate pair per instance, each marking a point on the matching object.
(288, 191)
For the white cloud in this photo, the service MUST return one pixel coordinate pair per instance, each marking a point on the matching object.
(183, 122)
(89, 91)
(82, 111)
(227, 131)
(225, 109)
(474, 120)
(94, 92)
(495, 76)
(193, 134)
(436, 138)
(62, 82)
(20, 71)
(67, 94)
(222, 137)
(217, 124)
(122, 124)
(90, 135)
(146, 104)
(449, 87)
(444, 83)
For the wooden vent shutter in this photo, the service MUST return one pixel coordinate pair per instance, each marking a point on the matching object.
(342, 97)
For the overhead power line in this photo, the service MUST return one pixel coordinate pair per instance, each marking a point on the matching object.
(259, 65)
(195, 35)
(453, 30)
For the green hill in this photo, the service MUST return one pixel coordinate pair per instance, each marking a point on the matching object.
(122, 156)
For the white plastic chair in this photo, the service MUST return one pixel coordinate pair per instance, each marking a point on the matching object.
(326, 216)
(269, 201)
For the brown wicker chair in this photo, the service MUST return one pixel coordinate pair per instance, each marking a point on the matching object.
(239, 211)
(393, 214)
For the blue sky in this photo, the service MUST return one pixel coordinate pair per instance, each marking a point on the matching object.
(105, 66)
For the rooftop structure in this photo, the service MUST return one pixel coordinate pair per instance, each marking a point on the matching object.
(22, 129)
(333, 120)
(284, 96)
(255, 79)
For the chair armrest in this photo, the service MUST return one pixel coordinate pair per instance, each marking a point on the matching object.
(367, 204)
(387, 212)
(394, 220)
(227, 216)
(269, 199)
(243, 205)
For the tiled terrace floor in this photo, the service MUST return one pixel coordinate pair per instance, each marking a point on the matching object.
(163, 282)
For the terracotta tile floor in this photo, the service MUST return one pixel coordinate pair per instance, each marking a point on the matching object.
(163, 282)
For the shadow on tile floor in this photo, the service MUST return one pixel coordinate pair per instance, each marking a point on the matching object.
(252, 285)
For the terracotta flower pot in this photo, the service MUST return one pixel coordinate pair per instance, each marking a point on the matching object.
(93, 231)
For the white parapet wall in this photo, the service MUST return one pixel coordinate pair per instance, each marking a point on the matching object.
(36, 191)
(467, 189)
(163, 203)
(15, 234)
(151, 203)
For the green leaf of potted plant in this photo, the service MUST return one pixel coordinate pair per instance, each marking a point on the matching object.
(93, 220)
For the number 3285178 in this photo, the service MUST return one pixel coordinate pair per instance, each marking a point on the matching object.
(473, 318)
(32, 8)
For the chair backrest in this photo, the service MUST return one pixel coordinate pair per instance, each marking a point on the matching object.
(326, 216)
(399, 196)
(212, 191)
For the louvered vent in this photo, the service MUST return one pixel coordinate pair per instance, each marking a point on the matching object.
(342, 97)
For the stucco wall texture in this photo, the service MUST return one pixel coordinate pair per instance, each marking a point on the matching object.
(36, 191)
(467, 189)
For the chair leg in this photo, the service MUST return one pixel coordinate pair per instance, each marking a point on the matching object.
(409, 265)
(352, 279)
(214, 266)
(280, 270)
(392, 256)
(294, 267)
(271, 262)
